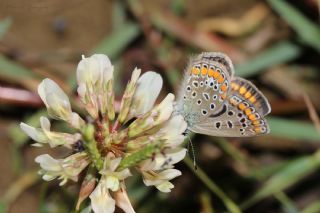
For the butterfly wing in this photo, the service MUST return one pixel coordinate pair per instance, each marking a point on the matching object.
(242, 114)
(207, 82)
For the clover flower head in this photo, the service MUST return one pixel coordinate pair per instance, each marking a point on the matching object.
(107, 145)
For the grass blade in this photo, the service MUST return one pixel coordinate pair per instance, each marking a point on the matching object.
(295, 130)
(307, 31)
(4, 26)
(231, 206)
(312, 208)
(279, 53)
(115, 43)
(288, 176)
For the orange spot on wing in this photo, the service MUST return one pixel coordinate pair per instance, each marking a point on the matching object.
(235, 86)
(223, 96)
(252, 117)
(248, 111)
(252, 99)
(224, 87)
(216, 74)
(220, 79)
(210, 72)
(256, 122)
(241, 106)
(242, 90)
(195, 71)
(257, 130)
(204, 70)
(247, 95)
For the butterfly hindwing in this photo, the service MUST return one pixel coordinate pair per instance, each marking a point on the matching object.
(250, 93)
(240, 115)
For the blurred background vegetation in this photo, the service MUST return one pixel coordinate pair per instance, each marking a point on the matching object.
(274, 43)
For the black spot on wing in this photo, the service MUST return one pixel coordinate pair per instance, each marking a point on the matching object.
(223, 110)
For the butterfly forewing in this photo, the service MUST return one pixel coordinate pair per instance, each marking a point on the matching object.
(206, 85)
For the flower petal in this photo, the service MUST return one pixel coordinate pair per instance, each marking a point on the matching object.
(176, 155)
(147, 91)
(48, 163)
(122, 200)
(58, 101)
(92, 69)
(33, 133)
(156, 116)
(112, 183)
(169, 174)
(101, 201)
(165, 187)
(114, 163)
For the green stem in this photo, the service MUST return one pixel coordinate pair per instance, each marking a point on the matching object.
(90, 145)
(231, 206)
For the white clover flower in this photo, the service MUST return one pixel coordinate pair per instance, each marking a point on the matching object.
(160, 180)
(93, 75)
(63, 169)
(45, 136)
(111, 176)
(57, 103)
(142, 136)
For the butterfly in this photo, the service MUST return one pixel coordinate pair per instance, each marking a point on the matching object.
(215, 102)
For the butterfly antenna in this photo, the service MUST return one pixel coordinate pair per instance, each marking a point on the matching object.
(192, 152)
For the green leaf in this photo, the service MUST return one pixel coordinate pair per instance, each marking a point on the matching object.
(312, 208)
(278, 54)
(308, 32)
(291, 129)
(3, 207)
(288, 176)
(14, 72)
(4, 26)
(118, 40)
(287, 204)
